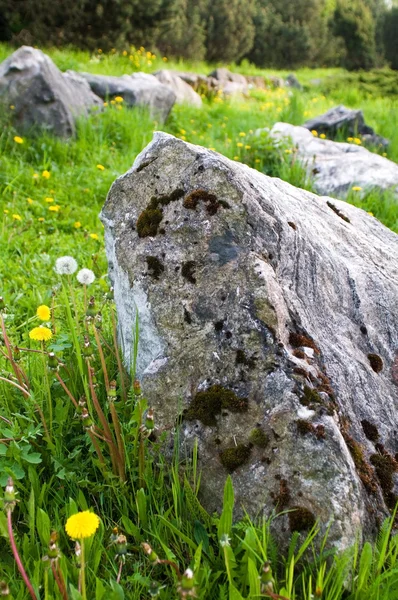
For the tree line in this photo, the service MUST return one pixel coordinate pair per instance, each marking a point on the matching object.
(356, 34)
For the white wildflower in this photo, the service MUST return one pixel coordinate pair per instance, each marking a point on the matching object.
(65, 265)
(85, 276)
(225, 540)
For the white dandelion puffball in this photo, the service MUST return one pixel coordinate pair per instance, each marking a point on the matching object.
(65, 265)
(85, 276)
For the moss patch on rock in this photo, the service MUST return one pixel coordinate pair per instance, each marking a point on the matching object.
(155, 266)
(375, 362)
(211, 201)
(385, 466)
(258, 438)
(234, 457)
(370, 430)
(301, 519)
(297, 340)
(208, 404)
(149, 220)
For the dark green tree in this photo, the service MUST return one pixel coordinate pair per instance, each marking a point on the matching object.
(390, 37)
(230, 29)
(354, 23)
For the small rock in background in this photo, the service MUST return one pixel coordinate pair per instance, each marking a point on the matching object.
(293, 82)
(348, 120)
(139, 89)
(183, 91)
(336, 167)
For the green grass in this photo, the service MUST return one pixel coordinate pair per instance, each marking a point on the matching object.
(61, 473)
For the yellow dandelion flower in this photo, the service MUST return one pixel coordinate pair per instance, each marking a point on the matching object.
(209, 125)
(247, 147)
(49, 200)
(240, 145)
(101, 167)
(257, 160)
(164, 59)
(99, 51)
(242, 134)
(236, 157)
(212, 149)
(314, 132)
(182, 131)
(323, 136)
(105, 104)
(17, 217)
(119, 99)
(350, 139)
(82, 525)
(357, 141)
(43, 312)
(94, 236)
(183, 138)
(29, 200)
(288, 151)
(6, 211)
(12, 107)
(35, 176)
(356, 188)
(124, 52)
(384, 154)
(41, 219)
(77, 224)
(46, 174)
(371, 214)
(40, 334)
(18, 140)
(54, 208)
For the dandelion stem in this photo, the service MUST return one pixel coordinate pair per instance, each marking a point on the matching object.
(16, 556)
(82, 572)
(102, 358)
(63, 384)
(59, 579)
(120, 572)
(97, 448)
(111, 444)
(50, 402)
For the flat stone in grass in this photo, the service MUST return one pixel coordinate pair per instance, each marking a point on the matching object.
(139, 89)
(336, 167)
(268, 328)
(185, 94)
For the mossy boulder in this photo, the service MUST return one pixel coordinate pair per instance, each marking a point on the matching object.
(255, 335)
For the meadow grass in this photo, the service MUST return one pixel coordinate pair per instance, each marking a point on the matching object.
(103, 455)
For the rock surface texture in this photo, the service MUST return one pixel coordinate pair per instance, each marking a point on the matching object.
(346, 119)
(336, 167)
(185, 94)
(139, 89)
(42, 96)
(268, 318)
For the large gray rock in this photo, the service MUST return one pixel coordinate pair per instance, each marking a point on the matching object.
(348, 120)
(268, 318)
(184, 92)
(139, 89)
(336, 167)
(43, 96)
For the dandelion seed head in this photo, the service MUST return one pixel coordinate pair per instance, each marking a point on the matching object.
(85, 276)
(65, 265)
